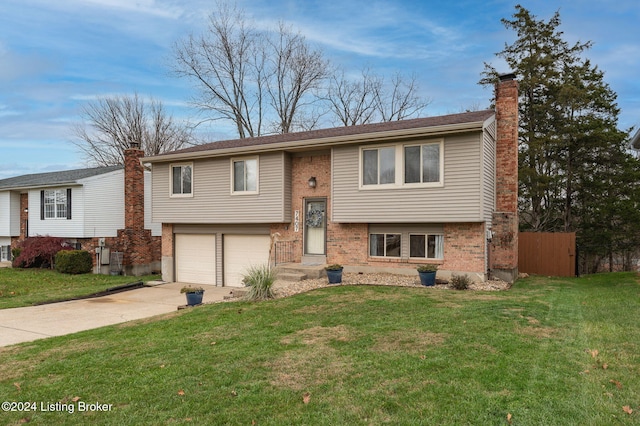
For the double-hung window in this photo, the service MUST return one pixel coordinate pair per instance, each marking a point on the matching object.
(385, 245)
(245, 175)
(379, 166)
(55, 203)
(182, 180)
(401, 165)
(422, 163)
(426, 246)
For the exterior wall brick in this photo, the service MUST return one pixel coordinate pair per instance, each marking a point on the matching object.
(504, 244)
(303, 168)
(140, 249)
(465, 247)
(167, 239)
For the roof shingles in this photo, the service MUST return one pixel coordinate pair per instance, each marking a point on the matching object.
(345, 131)
(54, 178)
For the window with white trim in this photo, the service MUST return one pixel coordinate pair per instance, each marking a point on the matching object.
(245, 175)
(402, 165)
(181, 180)
(379, 166)
(426, 246)
(55, 204)
(385, 245)
(422, 163)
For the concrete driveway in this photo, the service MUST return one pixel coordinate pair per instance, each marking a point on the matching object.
(19, 325)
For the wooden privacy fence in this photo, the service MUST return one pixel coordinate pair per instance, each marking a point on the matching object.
(547, 253)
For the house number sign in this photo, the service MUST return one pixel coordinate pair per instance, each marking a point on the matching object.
(296, 221)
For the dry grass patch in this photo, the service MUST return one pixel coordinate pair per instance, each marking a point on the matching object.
(410, 341)
(319, 335)
(315, 364)
(539, 332)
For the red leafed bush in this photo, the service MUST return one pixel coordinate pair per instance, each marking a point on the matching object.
(39, 252)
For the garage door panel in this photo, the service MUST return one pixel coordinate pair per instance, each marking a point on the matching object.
(241, 252)
(195, 258)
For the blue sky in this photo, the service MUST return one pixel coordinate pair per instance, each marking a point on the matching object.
(57, 55)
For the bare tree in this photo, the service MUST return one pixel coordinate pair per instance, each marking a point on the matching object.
(369, 99)
(258, 80)
(297, 72)
(111, 124)
(227, 64)
(353, 101)
(400, 100)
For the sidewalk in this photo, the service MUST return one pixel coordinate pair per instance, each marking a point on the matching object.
(19, 325)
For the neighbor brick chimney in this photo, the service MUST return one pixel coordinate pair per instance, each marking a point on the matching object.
(134, 241)
(133, 188)
(504, 242)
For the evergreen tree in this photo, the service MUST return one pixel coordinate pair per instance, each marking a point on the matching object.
(571, 152)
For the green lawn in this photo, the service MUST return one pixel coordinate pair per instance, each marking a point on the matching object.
(25, 287)
(546, 352)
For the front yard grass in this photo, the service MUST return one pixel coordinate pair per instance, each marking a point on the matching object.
(25, 287)
(548, 351)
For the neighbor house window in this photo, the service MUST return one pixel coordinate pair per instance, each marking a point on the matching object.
(181, 179)
(54, 204)
(387, 245)
(426, 246)
(245, 175)
(379, 166)
(422, 163)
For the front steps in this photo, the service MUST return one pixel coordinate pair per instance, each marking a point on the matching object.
(299, 272)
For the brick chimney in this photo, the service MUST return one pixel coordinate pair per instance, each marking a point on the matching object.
(134, 241)
(133, 188)
(504, 242)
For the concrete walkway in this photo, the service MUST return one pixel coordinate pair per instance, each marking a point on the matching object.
(19, 325)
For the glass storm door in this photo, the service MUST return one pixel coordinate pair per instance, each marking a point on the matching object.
(315, 227)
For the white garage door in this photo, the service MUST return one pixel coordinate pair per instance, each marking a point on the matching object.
(196, 259)
(240, 252)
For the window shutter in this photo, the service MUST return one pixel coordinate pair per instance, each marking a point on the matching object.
(68, 203)
(42, 205)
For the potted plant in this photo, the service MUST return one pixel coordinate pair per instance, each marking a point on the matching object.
(334, 273)
(427, 274)
(194, 295)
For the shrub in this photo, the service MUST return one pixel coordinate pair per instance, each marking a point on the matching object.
(15, 253)
(334, 267)
(74, 262)
(39, 252)
(429, 267)
(188, 289)
(259, 279)
(460, 282)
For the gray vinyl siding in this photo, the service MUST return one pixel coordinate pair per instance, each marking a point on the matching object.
(458, 200)
(212, 201)
(489, 173)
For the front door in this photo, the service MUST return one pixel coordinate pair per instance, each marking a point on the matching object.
(315, 224)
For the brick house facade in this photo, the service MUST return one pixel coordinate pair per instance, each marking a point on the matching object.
(314, 185)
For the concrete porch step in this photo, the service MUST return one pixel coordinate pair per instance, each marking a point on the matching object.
(309, 271)
(291, 276)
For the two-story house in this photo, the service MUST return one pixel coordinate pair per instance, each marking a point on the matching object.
(98, 209)
(375, 197)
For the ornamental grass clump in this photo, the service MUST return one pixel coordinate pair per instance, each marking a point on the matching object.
(259, 279)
